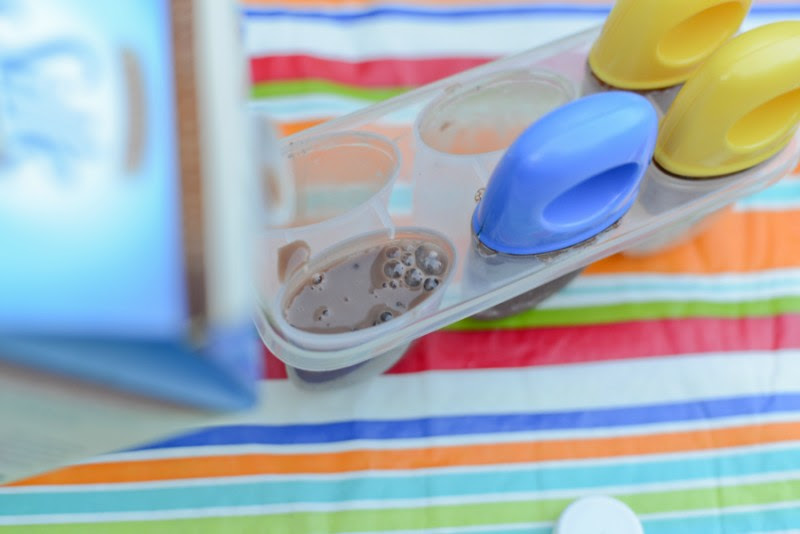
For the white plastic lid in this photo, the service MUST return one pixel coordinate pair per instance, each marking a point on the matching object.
(598, 515)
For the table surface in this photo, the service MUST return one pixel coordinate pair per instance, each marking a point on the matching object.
(671, 382)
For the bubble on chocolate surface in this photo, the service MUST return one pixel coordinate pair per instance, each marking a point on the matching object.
(431, 284)
(425, 251)
(394, 269)
(414, 277)
(322, 313)
(429, 260)
(432, 266)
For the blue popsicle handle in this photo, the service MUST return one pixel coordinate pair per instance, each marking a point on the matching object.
(569, 176)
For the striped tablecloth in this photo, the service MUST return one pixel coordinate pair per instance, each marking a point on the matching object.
(671, 382)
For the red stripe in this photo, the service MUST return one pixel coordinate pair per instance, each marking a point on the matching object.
(453, 350)
(273, 367)
(373, 73)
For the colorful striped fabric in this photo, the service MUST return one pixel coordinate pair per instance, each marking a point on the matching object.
(671, 381)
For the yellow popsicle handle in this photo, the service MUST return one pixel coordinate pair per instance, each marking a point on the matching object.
(652, 44)
(738, 109)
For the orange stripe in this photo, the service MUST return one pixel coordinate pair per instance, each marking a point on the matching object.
(736, 242)
(289, 128)
(466, 455)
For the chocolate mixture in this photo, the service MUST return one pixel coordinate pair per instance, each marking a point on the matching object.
(367, 288)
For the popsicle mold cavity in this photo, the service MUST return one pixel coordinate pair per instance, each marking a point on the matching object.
(487, 116)
(347, 376)
(333, 174)
(367, 285)
(528, 300)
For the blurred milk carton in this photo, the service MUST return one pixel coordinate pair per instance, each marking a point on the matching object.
(127, 196)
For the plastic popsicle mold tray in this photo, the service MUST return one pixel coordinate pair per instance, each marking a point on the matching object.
(414, 167)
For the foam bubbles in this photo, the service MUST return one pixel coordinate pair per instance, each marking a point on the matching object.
(368, 288)
(431, 284)
(429, 260)
(414, 277)
(393, 269)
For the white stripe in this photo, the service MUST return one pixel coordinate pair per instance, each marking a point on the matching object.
(382, 37)
(308, 107)
(540, 389)
(432, 37)
(426, 502)
(323, 106)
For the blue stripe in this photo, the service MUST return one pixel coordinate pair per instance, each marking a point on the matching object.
(402, 200)
(780, 282)
(413, 12)
(483, 424)
(460, 13)
(785, 192)
(411, 486)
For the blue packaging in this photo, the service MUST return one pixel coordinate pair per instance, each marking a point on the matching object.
(125, 197)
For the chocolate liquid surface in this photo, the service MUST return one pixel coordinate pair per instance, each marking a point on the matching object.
(367, 288)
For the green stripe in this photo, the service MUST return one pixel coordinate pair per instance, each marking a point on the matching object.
(387, 520)
(615, 313)
(307, 87)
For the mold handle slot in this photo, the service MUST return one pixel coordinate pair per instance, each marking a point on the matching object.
(699, 35)
(766, 124)
(593, 197)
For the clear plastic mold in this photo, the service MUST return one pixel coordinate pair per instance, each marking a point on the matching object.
(417, 163)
